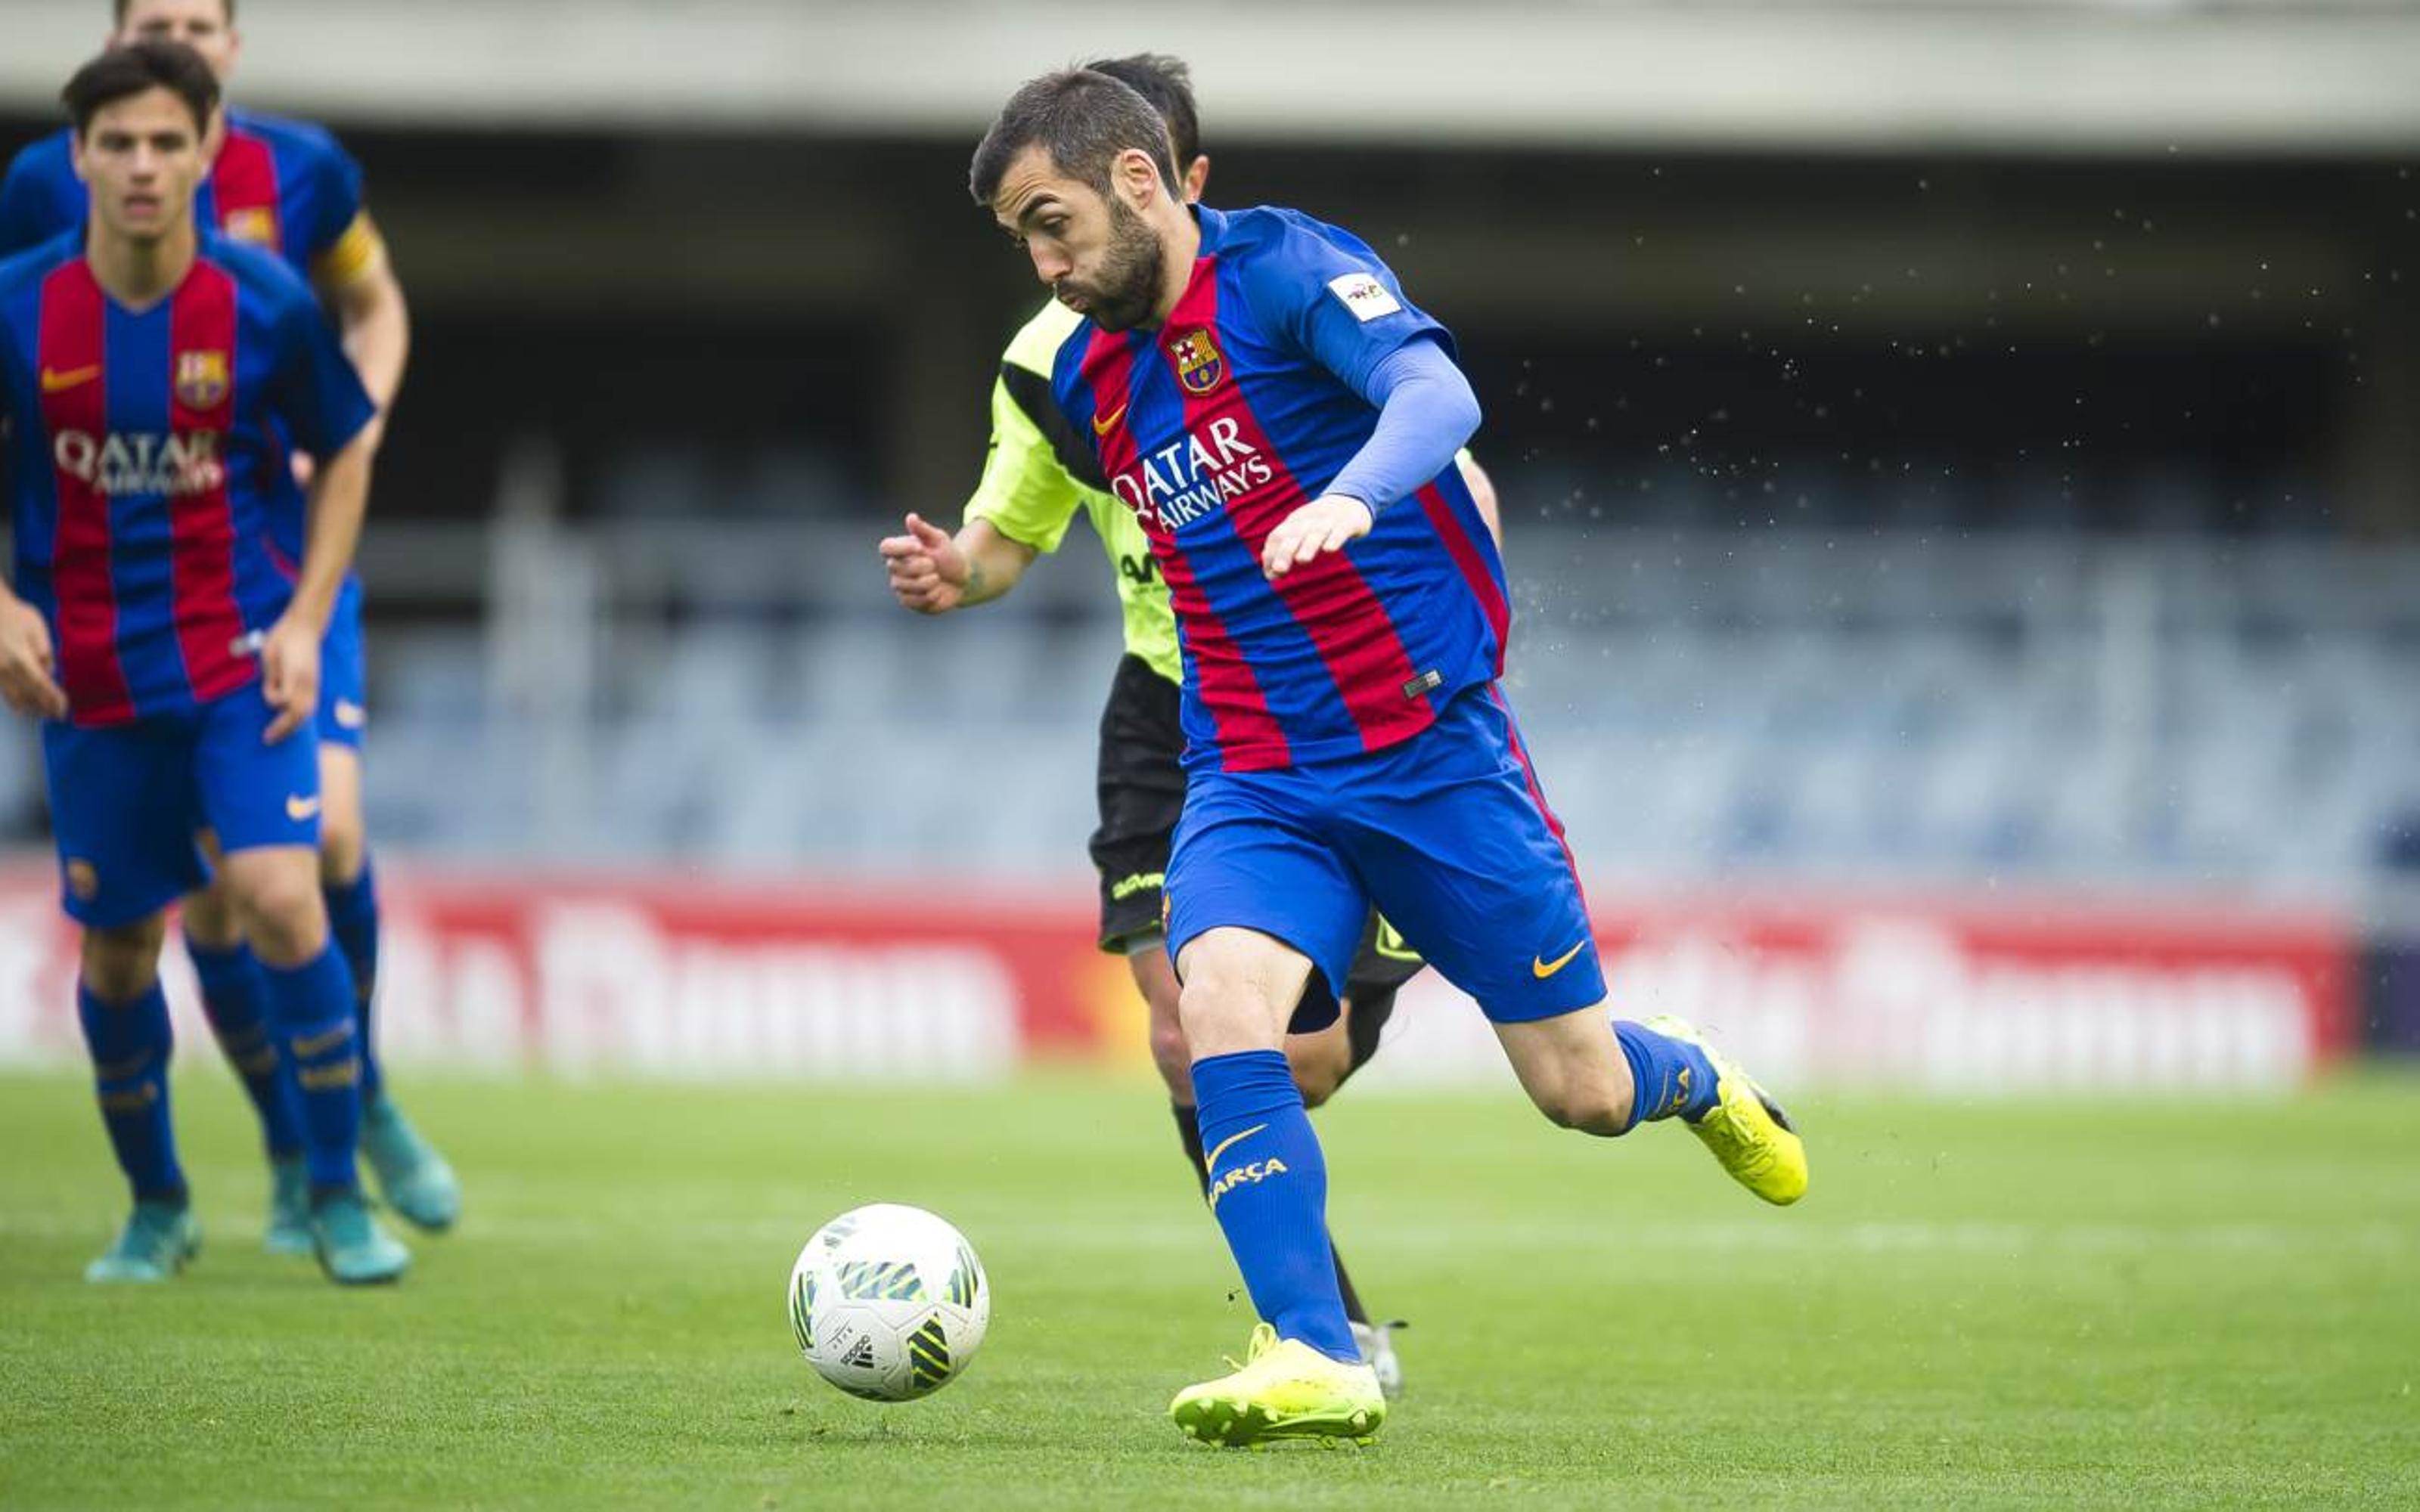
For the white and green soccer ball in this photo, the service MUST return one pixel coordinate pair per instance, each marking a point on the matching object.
(889, 1302)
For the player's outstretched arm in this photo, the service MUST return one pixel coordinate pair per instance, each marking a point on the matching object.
(932, 572)
(26, 665)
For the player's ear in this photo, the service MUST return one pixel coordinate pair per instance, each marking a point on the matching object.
(1135, 177)
(1197, 175)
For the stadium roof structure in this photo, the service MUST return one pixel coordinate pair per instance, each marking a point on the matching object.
(2082, 76)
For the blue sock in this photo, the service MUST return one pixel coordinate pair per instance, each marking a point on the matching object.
(234, 999)
(130, 1044)
(1668, 1076)
(353, 917)
(312, 1006)
(1268, 1187)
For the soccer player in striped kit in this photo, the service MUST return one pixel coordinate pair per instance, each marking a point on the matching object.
(154, 376)
(1282, 421)
(289, 188)
(1039, 475)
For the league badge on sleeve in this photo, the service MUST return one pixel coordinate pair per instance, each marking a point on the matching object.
(255, 224)
(1364, 296)
(1199, 366)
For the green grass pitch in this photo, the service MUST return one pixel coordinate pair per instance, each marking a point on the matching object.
(2157, 1303)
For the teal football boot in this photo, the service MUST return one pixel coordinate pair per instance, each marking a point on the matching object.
(159, 1238)
(352, 1249)
(414, 1178)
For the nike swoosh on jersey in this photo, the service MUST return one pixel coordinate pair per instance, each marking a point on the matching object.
(1102, 428)
(298, 808)
(1541, 968)
(54, 381)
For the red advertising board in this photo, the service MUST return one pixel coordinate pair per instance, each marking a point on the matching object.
(673, 975)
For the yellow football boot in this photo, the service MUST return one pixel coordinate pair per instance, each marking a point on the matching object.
(1286, 1390)
(1746, 1128)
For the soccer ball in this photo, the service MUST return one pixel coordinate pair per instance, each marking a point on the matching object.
(889, 1302)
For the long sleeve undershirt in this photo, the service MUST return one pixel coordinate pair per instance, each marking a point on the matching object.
(1426, 414)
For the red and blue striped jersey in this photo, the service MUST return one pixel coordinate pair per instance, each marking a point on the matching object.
(286, 186)
(283, 185)
(1244, 407)
(144, 447)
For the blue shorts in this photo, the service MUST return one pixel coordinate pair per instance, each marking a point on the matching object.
(1445, 833)
(127, 800)
(344, 678)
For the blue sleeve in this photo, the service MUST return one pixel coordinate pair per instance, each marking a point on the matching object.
(1333, 297)
(340, 198)
(26, 216)
(317, 393)
(1427, 411)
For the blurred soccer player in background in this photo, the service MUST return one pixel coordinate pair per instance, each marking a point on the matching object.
(157, 377)
(1282, 421)
(287, 187)
(1039, 476)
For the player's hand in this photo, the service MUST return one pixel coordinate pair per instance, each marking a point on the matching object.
(26, 664)
(928, 572)
(1319, 527)
(289, 676)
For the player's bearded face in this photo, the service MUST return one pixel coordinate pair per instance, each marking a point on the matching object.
(1124, 289)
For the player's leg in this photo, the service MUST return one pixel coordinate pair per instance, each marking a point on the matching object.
(1140, 789)
(261, 802)
(417, 1181)
(1467, 860)
(125, 1020)
(121, 810)
(1254, 899)
(235, 1000)
(1309, 1058)
(1154, 977)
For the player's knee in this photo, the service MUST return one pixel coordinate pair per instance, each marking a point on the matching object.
(1219, 1016)
(119, 964)
(283, 914)
(211, 920)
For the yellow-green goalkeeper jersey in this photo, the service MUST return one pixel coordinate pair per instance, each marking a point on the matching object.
(1041, 471)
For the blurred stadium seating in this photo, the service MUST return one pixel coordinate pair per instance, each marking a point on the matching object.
(2028, 706)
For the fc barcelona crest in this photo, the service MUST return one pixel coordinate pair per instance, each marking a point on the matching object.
(201, 379)
(1199, 366)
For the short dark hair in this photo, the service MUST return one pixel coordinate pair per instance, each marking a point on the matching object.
(1168, 83)
(1084, 118)
(123, 73)
(228, 6)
